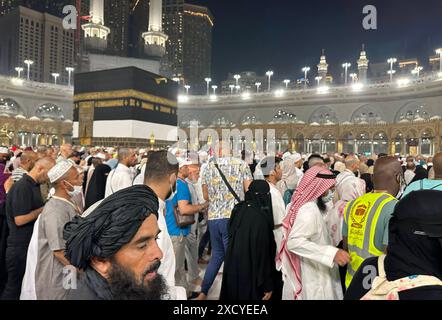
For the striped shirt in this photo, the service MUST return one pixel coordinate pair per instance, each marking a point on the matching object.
(18, 173)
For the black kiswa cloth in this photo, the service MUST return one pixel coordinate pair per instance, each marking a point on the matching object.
(249, 264)
(110, 226)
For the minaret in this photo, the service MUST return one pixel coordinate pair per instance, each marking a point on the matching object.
(363, 66)
(95, 32)
(323, 68)
(154, 38)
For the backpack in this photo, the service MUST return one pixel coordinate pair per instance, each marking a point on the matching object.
(382, 289)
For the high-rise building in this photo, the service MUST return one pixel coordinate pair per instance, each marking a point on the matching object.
(197, 61)
(189, 47)
(31, 35)
(173, 25)
(116, 15)
(49, 6)
(6, 6)
(138, 24)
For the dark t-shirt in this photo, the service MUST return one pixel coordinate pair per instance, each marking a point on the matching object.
(24, 197)
(369, 270)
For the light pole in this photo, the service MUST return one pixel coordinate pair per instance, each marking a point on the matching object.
(257, 84)
(286, 82)
(353, 77)
(306, 71)
(187, 87)
(29, 63)
(346, 66)
(439, 52)
(55, 75)
(391, 73)
(237, 88)
(214, 90)
(391, 61)
(19, 71)
(208, 80)
(236, 77)
(318, 79)
(69, 70)
(269, 74)
(417, 70)
(232, 87)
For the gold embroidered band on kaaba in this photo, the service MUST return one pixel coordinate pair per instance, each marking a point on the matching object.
(124, 94)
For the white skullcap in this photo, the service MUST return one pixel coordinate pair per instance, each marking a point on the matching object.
(183, 163)
(100, 156)
(296, 157)
(59, 170)
(4, 150)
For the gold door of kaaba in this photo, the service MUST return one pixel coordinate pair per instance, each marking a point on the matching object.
(86, 123)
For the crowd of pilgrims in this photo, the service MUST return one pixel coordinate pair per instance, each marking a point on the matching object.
(118, 223)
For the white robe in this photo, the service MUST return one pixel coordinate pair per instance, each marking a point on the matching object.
(309, 239)
(28, 291)
(120, 178)
(278, 207)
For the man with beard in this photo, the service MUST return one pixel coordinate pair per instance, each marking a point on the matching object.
(115, 245)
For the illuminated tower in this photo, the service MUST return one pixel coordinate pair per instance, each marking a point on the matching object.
(155, 39)
(95, 32)
(363, 65)
(322, 69)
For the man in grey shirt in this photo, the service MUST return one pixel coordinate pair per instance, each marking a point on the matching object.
(51, 247)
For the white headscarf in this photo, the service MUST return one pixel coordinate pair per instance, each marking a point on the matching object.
(289, 175)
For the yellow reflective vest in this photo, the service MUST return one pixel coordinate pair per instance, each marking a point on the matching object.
(361, 217)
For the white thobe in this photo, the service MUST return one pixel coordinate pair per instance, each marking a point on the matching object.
(28, 291)
(409, 176)
(167, 268)
(278, 207)
(119, 178)
(309, 239)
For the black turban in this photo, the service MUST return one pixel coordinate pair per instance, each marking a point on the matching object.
(110, 226)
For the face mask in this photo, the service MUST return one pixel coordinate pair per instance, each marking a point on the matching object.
(77, 190)
(328, 197)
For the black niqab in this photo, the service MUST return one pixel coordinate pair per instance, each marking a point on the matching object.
(249, 265)
(410, 251)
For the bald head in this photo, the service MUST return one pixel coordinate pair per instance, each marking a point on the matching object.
(352, 163)
(41, 168)
(66, 150)
(28, 159)
(388, 175)
(437, 166)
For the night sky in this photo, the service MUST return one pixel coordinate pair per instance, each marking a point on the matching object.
(285, 35)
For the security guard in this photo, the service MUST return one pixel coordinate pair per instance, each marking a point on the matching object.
(365, 228)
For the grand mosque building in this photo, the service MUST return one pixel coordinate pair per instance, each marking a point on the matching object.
(401, 115)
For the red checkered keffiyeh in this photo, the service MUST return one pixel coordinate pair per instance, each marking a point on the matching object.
(310, 189)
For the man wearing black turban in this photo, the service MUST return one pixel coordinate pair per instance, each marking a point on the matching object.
(115, 245)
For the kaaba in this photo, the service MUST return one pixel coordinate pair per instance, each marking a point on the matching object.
(125, 107)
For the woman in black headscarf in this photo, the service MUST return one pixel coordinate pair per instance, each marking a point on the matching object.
(420, 174)
(249, 265)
